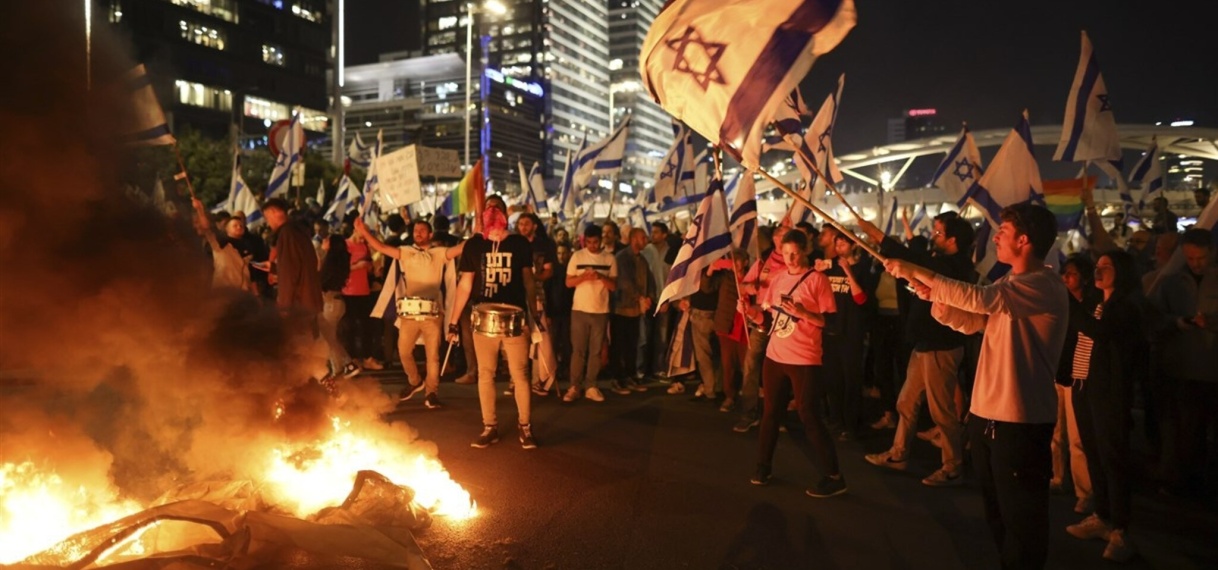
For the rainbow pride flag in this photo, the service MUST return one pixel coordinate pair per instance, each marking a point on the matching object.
(1065, 199)
(471, 192)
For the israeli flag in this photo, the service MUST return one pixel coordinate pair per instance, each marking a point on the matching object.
(145, 122)
(743, 222)
(359, 153)
(247, 204)
(731, 190)
(1012, 178)
(638, 218)
(604, 157)
(321, 193)
(890, 225)
(1147, 174)
(1089, 129)
(289, 155)
(345, 200)
(922, 224)
(707, 240)
(569, 191)
(961, 168)
(236, 183)
(723, 67)
(817, 143)
(372, 182)
(675, 178)
(534, 190)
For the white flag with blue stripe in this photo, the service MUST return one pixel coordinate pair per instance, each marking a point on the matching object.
(358, 153)
(289, 155)
(960, 169)
(743, 222)
(890, 225)
(145, 123)
(345, 199)
(602, 158)
(722, 67)
(1147, 174)
(922, 224)
(246, 203)
(568, 196)
(707, 240)
(1012, 178)
(534, 190)
(235, 184)
(675, 177)
(372, 181)
(1089, 130)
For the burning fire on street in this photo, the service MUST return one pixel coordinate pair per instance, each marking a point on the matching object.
(41, 505)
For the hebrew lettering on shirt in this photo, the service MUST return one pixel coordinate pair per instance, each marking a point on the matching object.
(498, 272)
(839, 284)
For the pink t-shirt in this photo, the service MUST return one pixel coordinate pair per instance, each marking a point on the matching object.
(794, 340)
(357, 283)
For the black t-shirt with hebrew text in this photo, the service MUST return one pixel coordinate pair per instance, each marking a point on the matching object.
(498, 269)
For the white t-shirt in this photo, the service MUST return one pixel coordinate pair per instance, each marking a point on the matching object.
(422, 271)
(591, 296)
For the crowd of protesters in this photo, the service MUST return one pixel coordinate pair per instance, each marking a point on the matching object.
(818, 335)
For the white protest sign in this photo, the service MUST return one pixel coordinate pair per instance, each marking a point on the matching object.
(437, 162)
(398, 177)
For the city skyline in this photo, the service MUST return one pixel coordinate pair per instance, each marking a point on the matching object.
(1015, 56)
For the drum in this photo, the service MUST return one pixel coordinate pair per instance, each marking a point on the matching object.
(418, 308)
(498, 320)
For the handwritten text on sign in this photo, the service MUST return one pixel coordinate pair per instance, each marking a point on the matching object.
(399, 171)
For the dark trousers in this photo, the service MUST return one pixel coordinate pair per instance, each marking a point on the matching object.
(731, 358)
(1198, 416)
(359, 332)
(888, 359)
(624, 346)
(560, 335)
(844, 379)
(780, 382)
(1014, 464)
(1102, 414)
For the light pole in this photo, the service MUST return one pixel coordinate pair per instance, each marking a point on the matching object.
(885, 180)
(493, 7)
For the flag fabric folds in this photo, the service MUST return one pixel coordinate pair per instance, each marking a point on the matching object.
(1089, 128)
(922, 224)
(471, 191)
(146, 124)
(289, 155)
(604, 157)
(743, 221)
(568, 190)
(359, 153)
(1012, 178)
(681, 348)
(817, 143)
(722, 67)
(1065, 199)
(321, 193)
(1147, 174)
(533, 187)
(707, 239)
(960, 169)
(890, 225)
(675, 178)
(372, 180)
(345, 200)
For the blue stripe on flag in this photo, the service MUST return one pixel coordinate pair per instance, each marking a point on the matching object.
(1080, 108)
(786, 46)
(705, 248)
(950, 160)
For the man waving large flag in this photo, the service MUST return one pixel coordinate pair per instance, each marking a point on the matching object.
(722, 66)
(1089, 129)
(707, 240)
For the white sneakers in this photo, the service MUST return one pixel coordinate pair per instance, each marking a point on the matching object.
(594, 394)
(1090, 527)
(1119, 549)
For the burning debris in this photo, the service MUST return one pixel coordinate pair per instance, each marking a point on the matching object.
(140, 380)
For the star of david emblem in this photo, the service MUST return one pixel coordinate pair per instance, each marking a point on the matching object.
(821, 140)
(669, 170)
(696, 226)
(701, 63)
(963, 169)
(1104, 105)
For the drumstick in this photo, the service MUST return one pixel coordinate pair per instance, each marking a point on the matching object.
(447, 353)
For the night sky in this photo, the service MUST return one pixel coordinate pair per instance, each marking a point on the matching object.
(976, 61)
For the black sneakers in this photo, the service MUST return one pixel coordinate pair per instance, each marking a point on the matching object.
(526, 436)
(409, 391)
(490, 435)
(432, 402)
(828, 487)
(762, 476)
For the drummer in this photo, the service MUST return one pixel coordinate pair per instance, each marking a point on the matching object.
(498, 268)
(420, 273)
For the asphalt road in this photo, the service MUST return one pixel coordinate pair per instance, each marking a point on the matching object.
(657, 481)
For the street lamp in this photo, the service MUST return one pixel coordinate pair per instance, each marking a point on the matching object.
(490, 6)
(885, 180)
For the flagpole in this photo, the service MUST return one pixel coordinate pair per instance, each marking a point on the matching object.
(829, 219)
(717, 156)
(829, 183)
(185, 175)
